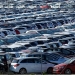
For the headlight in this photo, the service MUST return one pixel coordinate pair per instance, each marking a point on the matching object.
(58, 68)
(61, 67)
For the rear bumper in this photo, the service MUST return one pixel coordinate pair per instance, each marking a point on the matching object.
(14, 70)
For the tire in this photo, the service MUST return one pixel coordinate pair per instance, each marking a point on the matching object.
(50, 70)
(68, 71)
(22, 71)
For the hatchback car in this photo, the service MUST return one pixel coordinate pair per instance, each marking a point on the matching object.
(30, 65)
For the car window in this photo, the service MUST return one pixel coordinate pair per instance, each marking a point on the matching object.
(36, 55)
(13, 55)
(40, 42)
(28, 45)
(54, 23)
(27, 61)
(39, 27)
(24, 61)
(63, 41)
(61, 21)
(7, 49)
(30, 61)
(43, 46)
(57, 44)
(20, 28)
(51, 45)
(55, 39)
(33, 43)
(71, 35)
(37, 61)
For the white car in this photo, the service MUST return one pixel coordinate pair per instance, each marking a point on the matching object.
(30, 65)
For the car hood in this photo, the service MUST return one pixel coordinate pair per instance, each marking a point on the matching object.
(59, 65)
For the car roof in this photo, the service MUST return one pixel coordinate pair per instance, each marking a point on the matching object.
(63, 33)
(54, 42)
(26, 58)
(13, 52)
(4, 46)
(36, 47)
(55, 35)
(66, 46)
(43, 52)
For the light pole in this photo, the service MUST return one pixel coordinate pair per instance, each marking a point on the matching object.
(41, 63)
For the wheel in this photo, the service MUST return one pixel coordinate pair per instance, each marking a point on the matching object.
(68, 71)
(22, 71)
(50, 70)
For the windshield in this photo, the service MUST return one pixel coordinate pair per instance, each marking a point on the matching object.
(60, 29)
(34, 35)
(69, 61)
(2, 42)
(11, 40)
(70, 27)
(45, 32)
(23, 37)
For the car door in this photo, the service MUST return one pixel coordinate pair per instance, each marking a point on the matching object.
(45, 65)
(30, 65)
(37, 65)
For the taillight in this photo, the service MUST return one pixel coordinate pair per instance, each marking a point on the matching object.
(16, 65)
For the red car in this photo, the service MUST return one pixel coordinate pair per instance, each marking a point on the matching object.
(67, 67)
(45, 7)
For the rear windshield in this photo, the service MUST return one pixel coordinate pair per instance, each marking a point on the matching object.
(15, 61)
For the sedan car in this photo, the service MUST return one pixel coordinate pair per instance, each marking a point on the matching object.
(67, 67)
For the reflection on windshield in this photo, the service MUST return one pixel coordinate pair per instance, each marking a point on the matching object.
(69, 61)
(2, 42)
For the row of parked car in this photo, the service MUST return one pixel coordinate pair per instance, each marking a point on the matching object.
(41, 41)
(52, 47)
(39, 25)
(12, 20)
